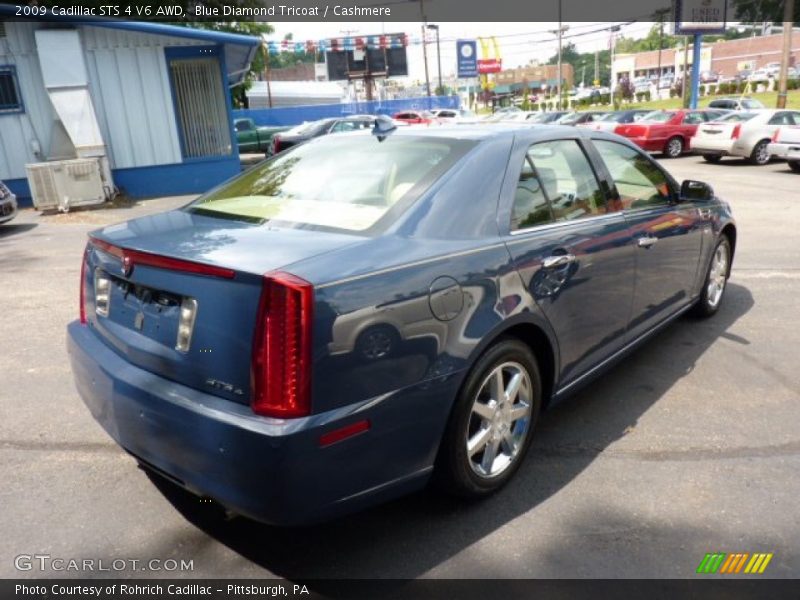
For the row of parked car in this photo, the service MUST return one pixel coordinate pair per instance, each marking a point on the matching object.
(736, 126)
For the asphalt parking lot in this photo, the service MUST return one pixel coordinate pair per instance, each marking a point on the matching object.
(691, 445)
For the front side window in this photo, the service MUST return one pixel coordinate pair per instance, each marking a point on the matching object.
(243, 126)
(639, 182)
(336, 182)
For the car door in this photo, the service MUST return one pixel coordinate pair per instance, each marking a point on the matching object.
(667, 234)
(572, 250)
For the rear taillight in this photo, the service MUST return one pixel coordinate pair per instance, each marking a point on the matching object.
(736, 131)
(281, 365)
(276, 144)
(82, 308)
(776, 135)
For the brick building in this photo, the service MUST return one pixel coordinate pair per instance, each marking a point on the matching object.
(512, 80)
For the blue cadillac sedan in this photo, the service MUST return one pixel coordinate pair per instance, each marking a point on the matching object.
(364, 314)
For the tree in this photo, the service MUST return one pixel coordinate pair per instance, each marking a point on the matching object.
(759, 11)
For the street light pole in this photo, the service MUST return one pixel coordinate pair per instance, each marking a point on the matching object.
(788, 21)
(438, 55)
(425, 50)
(559, 32)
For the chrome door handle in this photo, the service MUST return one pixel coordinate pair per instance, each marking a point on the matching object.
(558, 260)
(646, 242)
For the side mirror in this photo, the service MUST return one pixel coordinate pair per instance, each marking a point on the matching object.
(696, 191)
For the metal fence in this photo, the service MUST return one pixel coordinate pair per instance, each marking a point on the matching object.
(294, 115)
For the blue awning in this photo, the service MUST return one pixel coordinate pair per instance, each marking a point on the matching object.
(239, 50)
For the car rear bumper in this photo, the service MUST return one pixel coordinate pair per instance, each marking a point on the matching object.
(271, 470)
(785, 151)
(707, 146)
(8, 208)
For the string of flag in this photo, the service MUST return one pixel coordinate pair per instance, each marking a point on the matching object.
(371, 42)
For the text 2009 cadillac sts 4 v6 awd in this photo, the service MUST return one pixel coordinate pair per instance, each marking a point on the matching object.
(365, 313)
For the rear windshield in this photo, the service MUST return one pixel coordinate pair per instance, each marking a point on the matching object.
(658, 116)
(309, 127)
(343, 182)
(736, 117)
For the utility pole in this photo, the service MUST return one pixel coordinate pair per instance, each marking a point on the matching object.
(560, 31)
(425, 50)
(788, 21)
(596, 80)
(660, 14)
(438, 55)
(266, 72)
(611, 73)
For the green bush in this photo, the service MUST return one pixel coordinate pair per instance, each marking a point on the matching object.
(648, 96)
(702, 89)
(605, 98)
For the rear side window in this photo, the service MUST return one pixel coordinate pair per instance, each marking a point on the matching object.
(782, 118)
(638, 181)
(336, 182)
(693, 118)
(557, 183)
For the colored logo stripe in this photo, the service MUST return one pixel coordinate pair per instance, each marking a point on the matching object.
(723, 563)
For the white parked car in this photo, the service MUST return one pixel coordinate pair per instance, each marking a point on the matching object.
(742, 133)
(8, 204)
(786, 145)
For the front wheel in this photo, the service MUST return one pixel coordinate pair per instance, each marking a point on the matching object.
(760, 154)
(794, 165)
(674, 147)
(715, 281)
(490, 427)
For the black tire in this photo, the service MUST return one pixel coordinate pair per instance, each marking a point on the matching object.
(712, 158)
(705, 307)
(377, 342)
(674, 147)
(759, 156)
(454, 473)
(794, 165)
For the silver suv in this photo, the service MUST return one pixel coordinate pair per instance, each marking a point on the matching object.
(735, 104)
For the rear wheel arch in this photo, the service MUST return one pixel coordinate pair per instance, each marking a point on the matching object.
(541, 343)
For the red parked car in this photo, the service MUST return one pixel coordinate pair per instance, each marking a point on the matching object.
(415, 117)
(667, 131)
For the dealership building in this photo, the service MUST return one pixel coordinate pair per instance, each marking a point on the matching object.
(148, 102)
(725, 57)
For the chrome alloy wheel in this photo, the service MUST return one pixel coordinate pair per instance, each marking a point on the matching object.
(762, 153)
(674, 148)
(500, 420)
(717, 275)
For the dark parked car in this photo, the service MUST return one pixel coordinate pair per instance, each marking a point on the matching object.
(495, 271)
(307, 131)
(8, 204)
(254, 138)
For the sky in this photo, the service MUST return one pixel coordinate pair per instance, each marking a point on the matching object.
(519, 42)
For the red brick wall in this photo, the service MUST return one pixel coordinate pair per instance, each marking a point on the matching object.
(725, 56)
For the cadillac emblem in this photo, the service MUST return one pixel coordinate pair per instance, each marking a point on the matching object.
(127, 265)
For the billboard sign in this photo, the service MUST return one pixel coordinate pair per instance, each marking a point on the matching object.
(700, 16)
(467, 52)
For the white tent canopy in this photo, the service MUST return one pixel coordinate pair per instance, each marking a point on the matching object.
(294, 93)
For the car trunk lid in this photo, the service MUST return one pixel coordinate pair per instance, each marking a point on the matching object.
(178, 294)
